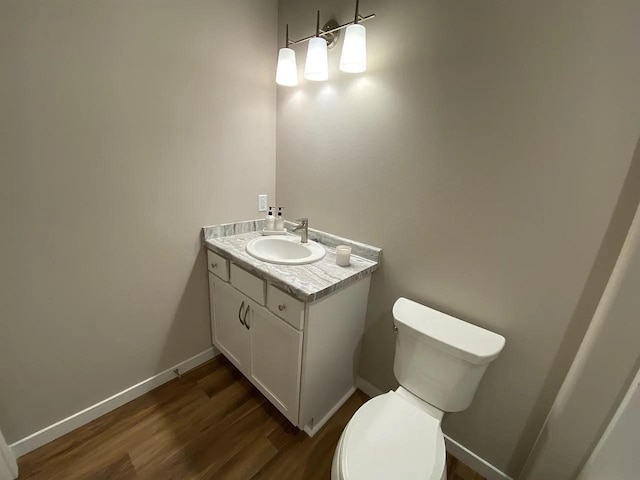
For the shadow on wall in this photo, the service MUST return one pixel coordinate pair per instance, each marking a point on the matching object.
(192, 310)
(379, 336)
(601, 270)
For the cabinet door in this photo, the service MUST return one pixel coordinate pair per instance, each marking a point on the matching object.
(276, 358)
(229, 333)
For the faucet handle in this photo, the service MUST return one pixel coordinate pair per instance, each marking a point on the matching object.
(303, 221)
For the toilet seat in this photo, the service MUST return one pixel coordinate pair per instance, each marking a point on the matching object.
(389, 438)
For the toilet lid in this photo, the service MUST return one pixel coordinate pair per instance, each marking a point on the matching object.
(388, 437)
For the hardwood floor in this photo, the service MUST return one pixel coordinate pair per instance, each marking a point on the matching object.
(211, 423)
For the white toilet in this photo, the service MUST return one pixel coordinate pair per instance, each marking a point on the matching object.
(439, 362)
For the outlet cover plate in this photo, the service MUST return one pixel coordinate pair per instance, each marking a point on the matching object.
(262, 203)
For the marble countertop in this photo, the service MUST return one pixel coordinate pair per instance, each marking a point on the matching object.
(309, 282)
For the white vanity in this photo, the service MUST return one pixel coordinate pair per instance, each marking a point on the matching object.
(293, 330)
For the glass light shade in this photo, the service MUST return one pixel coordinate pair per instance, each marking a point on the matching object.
(287, 70)
(354, 50)
(317, 65)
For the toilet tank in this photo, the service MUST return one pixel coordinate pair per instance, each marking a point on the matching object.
(440, 358)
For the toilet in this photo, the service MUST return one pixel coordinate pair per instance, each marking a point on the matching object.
(439, 362)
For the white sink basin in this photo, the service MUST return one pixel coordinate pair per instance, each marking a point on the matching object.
(285, 250)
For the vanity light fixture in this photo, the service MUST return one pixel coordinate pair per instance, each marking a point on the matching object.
(352, 60)
(354, 50)
(317, 66)
(287, 70)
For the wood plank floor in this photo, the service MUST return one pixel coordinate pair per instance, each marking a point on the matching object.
(211, 423)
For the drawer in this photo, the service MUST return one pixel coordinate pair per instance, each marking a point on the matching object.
(218, 265)
(290, 309)
(247, 283)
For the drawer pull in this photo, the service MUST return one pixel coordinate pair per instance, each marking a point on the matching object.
(282, 307)
(239, 312)
(244, 318)
(214, 265)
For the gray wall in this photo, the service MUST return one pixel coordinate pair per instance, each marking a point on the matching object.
(125, 127)
(599, 378)
(484, 150)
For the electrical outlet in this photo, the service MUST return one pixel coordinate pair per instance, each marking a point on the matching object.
(262, 203)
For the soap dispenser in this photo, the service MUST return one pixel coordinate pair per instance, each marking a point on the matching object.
(279, 223)
(270, 221)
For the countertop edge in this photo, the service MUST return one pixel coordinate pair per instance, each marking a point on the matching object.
(363, 250)
(305, 297)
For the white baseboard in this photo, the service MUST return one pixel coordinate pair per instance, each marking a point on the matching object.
(463, 454)
(367, 388)
(470, 459)
(318, 425)
(85, 416)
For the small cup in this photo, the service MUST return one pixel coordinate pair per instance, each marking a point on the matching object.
(343, 255)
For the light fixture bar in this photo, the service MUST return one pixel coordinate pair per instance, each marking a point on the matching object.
(321, 32)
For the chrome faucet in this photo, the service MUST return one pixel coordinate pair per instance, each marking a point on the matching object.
(304, 226)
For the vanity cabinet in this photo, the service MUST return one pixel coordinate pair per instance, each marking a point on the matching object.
(276, 361)
(301, 356)
(229, 332)
(265, 349)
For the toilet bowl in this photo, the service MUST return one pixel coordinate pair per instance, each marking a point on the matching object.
(391, 438)
(439, 362)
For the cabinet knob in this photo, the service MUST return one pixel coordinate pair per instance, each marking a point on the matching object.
(214, 265)
(281, 307)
